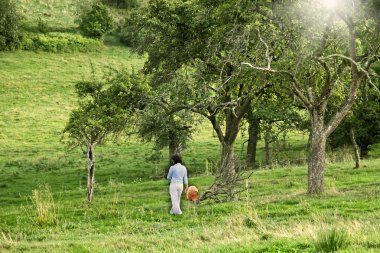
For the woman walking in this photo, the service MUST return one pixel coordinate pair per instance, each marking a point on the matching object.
(178, 177)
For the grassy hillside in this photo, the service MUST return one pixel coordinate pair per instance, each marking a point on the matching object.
(43, 184)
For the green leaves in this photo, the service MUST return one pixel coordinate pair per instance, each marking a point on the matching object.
(107, 107)
(96, 22)
(88, 88)
(9, 25)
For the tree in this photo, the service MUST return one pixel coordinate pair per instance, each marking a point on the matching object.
(107, 108)
(271, 115)
(200, 37)
(367, 123)
(362, 128)
(277, 115)
(96, 21)
(10, 21)
(321, 50)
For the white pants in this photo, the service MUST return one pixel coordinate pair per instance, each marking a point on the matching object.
(175, 190)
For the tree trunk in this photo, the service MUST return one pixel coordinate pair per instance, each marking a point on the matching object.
(90, 171)
(174, 148)
(227, 177)
(356, 148)
(253, 134)
(316, 156)
(227, 163)
(267, 155)
(267, 147)
(363, 151)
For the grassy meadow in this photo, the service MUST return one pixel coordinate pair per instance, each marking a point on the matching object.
(43, 205)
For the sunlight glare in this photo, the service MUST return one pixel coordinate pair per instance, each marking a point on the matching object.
(330, 4)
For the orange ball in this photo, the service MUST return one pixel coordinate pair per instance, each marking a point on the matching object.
(192, 193)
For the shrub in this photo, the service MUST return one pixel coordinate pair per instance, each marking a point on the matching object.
(9, 25)
(331, 240)
(60, 42)
(96, 22)
(42, 26)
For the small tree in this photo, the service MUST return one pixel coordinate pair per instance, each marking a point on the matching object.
(9, 25)
(96, 22)
(106, 108)
(362, 128)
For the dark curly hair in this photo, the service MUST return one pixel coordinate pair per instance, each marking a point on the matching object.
(176, 159)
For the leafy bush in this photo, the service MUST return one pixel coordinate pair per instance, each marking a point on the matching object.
(42, 26)
(60, 42)
(9, 25)
(96, 22)
(123, 4)
(331, 240)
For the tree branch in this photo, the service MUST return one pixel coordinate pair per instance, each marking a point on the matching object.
(267, 56)
(357, 65)
(328, 84)
(294, 80)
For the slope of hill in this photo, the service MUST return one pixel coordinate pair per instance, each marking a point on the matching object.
(42, 183)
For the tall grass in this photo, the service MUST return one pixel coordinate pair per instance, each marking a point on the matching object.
(45, 211)
(331, 240)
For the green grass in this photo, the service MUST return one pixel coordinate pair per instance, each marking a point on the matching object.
(272, 215)
(60, 15)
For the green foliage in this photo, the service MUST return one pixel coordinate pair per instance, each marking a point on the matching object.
(164, 122)
(96, 22)
(106, 107)
(365, 121)
(158, 125)
(42, 26)
(123, 4)
(277, 111)
(331, 240)
(10, 21)
(59, 42)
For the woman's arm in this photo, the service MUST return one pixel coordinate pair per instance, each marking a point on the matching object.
(170, 173)
(185, 180)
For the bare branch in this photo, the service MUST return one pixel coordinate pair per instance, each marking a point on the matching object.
(327, 87)
(360, 68)
(343, 57)
(267, 56)
(370, 81)
(294, 80)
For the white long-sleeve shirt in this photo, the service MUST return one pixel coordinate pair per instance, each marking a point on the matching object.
(178, 174)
